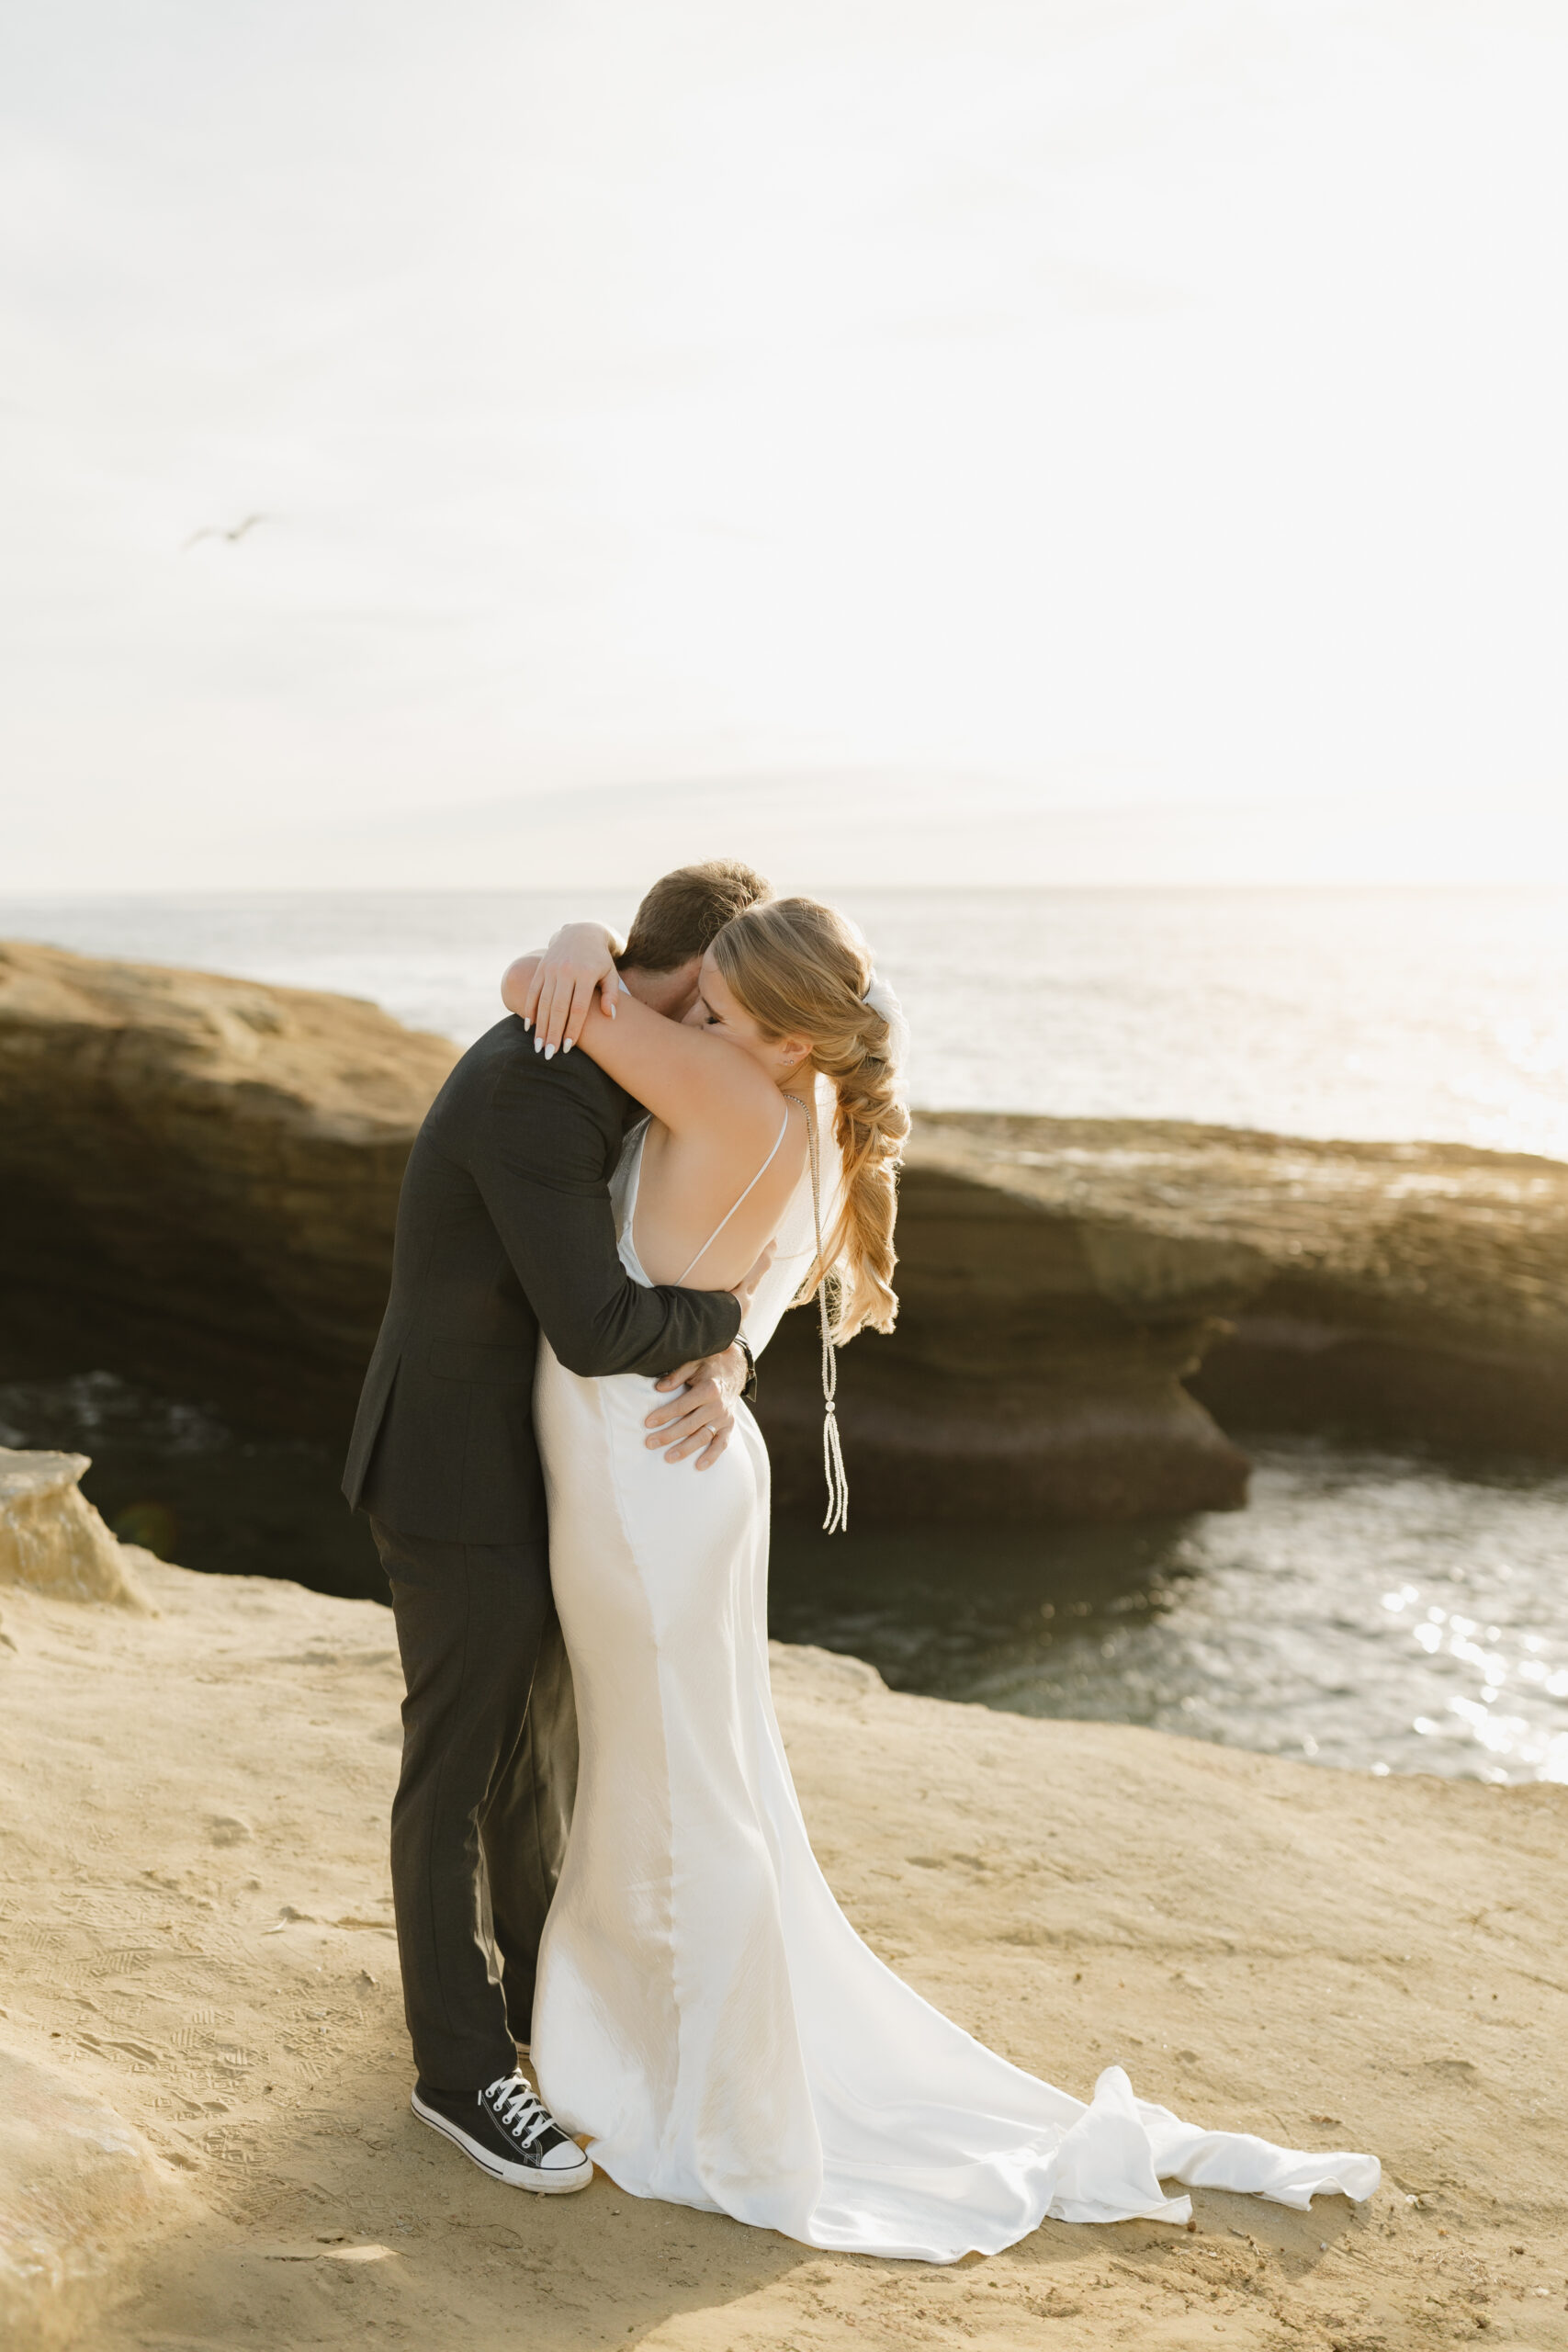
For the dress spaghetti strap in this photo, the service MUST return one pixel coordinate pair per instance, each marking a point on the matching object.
(751, 1188)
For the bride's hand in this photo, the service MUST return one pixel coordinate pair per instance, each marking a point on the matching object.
(578, 962)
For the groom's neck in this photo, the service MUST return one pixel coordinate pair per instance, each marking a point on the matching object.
(671, 993)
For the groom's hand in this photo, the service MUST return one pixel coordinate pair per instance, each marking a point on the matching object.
(700, 1418)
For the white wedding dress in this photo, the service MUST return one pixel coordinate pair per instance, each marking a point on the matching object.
(706, 2013)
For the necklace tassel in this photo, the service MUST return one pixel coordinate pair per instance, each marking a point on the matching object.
(838, 1519)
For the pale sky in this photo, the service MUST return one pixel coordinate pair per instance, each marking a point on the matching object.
(893, 439)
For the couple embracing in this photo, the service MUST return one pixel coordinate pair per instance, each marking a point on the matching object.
(597, 1852)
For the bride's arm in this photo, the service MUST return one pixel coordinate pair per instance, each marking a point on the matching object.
(559, 986)
(685, 1077)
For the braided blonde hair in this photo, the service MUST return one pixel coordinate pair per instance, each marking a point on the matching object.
(800, 969)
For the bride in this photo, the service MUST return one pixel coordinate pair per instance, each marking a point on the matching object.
(706, 2014)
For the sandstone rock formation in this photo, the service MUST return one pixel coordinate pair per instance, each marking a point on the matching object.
(1389, 1291)
(1036, 1371)
(52, 1539)
(198, 1180)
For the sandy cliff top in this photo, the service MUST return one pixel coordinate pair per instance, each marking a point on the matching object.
(339, 1062)
(1479, 1236)
(206, 2075)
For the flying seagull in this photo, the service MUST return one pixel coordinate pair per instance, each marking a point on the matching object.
(214, 532)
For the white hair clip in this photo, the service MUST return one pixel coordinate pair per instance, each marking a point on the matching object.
(883, 1000)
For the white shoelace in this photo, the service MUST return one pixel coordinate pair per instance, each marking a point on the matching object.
(518, 2108)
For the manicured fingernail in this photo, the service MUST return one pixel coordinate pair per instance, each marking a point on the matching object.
(527, 1022)
(567, 1047)
(538, 1045)
(549, 1052)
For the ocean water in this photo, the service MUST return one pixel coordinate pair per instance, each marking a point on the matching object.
(1396, 1014)
(1376, 1612)
(1380, 1613)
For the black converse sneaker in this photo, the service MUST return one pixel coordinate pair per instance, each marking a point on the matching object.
(509, 2132)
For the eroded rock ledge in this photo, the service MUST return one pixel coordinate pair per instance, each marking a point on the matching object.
(1387, 1290)
(199, 1178)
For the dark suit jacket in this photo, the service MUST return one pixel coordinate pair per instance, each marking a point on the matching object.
(504, 1226)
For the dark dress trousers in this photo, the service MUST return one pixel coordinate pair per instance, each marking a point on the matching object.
(505, 1228)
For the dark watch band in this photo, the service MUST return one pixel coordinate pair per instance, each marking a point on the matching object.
(749, 1391)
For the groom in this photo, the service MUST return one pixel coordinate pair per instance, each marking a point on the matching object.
(505, 1229)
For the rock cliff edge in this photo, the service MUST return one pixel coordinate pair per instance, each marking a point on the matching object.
(198, 1180)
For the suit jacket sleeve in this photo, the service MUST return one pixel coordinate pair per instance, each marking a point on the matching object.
(539, 1163)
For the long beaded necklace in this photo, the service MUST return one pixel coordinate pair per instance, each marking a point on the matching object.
(837, 1518)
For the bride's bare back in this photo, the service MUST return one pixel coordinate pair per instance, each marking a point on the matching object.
(684, 1178)
(726, 1145)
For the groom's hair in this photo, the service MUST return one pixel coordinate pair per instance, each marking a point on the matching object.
(684, 912)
